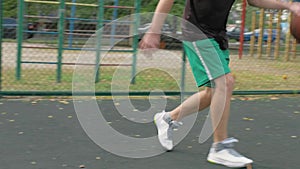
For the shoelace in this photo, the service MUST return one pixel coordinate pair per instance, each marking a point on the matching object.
(172, 123)
(226, 144)
(175, 124)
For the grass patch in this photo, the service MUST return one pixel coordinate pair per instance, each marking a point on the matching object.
(250, 74)
(45, 80)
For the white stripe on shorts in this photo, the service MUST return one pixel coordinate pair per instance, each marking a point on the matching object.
(202, 61)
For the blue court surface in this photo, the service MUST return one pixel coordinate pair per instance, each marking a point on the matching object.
(46, 134)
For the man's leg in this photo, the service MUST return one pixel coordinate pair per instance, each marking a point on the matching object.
(219, 101)
(222, 151)
(193, 104)
(217, 98)
(220, 106)
(166, 121)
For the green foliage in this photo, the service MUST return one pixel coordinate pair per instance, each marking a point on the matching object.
(178, 8)
(10, 8)
(150, 5)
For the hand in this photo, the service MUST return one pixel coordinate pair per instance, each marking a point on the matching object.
(295, 8)
(149, 43)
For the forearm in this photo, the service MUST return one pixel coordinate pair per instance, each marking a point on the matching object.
(161, 11)
(270, 4)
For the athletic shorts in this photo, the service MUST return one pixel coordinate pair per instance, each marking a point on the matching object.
(207, 60)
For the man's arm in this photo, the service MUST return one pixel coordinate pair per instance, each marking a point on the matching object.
(152, 38)
(161, 11)
(276, 4)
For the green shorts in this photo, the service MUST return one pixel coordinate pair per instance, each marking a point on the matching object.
(207, 60)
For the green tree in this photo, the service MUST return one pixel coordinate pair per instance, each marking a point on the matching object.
(10, 8)
(150, 5)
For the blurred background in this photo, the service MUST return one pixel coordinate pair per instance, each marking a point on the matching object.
(41, 41)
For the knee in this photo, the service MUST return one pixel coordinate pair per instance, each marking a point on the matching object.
(229, 82)
(225, 83)
(208, 93)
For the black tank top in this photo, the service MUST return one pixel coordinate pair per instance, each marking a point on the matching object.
(210, 16)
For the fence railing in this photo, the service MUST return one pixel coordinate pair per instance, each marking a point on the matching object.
(40, 51)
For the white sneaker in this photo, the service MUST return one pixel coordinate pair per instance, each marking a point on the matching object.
(224, 154)
(165, 126)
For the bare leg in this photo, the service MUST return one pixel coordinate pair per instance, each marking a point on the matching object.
(193, 104)
(219, 101)
(220, 106)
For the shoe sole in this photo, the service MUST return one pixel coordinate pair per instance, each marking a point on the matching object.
(222, 162)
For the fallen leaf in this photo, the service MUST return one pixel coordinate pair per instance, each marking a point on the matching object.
(244, 98)
(274, 98)
(248, 119)
(63, 102)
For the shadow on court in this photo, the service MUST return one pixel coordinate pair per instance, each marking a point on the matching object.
(46, 134)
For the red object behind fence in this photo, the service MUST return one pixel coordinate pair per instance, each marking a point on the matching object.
(295, 27)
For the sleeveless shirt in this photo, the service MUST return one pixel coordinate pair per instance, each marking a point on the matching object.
(208, 16)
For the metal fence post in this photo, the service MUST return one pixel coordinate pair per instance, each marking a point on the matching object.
(183, 69)
(99, 37)
(137, 6)
(60, 39)
(1, 35)
(278, 39)
(20, 38)
(252, 40)
(71, 25)
(241, 48)
(113, 26)
(287, 41)
(260, 36)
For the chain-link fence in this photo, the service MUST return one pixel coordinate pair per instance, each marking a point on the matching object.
(270, 59)
(48, 40)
